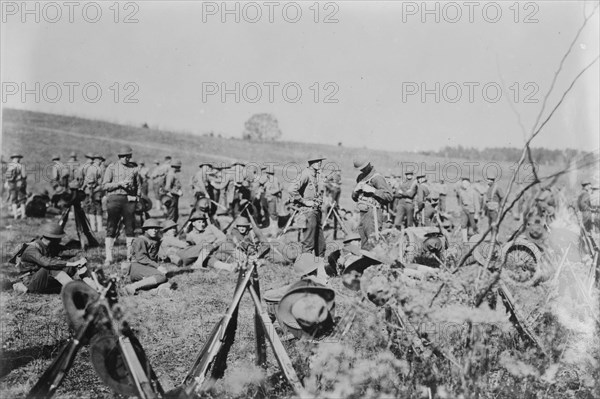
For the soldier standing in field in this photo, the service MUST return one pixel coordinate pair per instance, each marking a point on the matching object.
(158, 176)
(172, 191)
(469, 201)
(121, 184)
(307, 193)
(144, 174)
(422, 194)
(57, 174)
(273, 194)
(71, 167)
(92, 186)
(492, 200)
(443, 193)
(199, 182)
(406, 193)
(371, 194)
(16, 181)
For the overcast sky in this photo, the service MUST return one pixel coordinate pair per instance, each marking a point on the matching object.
(374, 59)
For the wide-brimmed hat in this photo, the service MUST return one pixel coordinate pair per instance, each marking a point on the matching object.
(169, 224)
(52, 230)
(55, 157)
(199, 216)
(76, 296)
(361, 163)
(151, 224)
(176, 164)
(307, 309)
(315, 158)
(124, 150)
(306, 263)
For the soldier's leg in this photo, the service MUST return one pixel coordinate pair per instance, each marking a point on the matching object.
(43, 282)
(410, 210)
(113, 209)
(464, 224)
(366, 229)
(144, 277)
(311, 233)
(400, 214)
(128, 214)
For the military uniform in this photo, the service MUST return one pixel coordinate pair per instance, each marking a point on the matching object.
(144, 270)
(71, 167)
(158, 176)
(468, 199)
(172, 191)
(273, 193)
(16, 181)
(370, 202)
(92, 186)
(306, 189)
(406, 193)
(584, 205)
(121, 184)
(492, 200)
(423, 193)
(443, 192)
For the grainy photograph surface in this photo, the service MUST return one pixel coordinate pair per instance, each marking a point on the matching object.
(300, 199)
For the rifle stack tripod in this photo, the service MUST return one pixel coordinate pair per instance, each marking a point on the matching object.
(119, 358)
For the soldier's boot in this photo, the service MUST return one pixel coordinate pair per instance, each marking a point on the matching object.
(129, 241)
(22, 211)
(148, 282)
(109, 243)
(15, 210)
(230, 267)
(99, 225)
(199, 263)
(92, 220)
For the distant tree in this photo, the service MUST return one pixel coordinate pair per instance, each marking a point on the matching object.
(339, 144)
(145, 126)
(262, 127)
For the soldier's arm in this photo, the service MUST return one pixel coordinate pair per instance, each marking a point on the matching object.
(33, 255)
(219, 236)
(412, 191)
(383, 192)
(296, 189)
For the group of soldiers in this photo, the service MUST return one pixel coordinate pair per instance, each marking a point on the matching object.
(256, 199)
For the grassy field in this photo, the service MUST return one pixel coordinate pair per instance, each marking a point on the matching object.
(372, 360)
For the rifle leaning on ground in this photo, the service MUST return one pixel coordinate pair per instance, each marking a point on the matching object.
(116, 354)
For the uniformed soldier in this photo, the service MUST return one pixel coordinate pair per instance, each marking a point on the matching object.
(16, 181)
(58, 174)
(469, 201)
(333, 185)
(443, 193)
(145, 271)
(405, 206)
(492, 200)
(71, 167)
(371, 194)
(42, 268)
(81, 171)
(172, 191)
(273, 194)
(584, 205)
(199, 182)
(144, 174)
(423, 192)
(307, 193)
(92, 186)
(431, 210)
(121, 184)
(158, 176)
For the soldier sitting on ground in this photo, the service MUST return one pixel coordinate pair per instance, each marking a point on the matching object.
(170, 245)
(145, 271)
(42, 268)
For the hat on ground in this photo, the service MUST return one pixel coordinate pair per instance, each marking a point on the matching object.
(151, 224)
(307, 308)
(315, 158)
(52, 230)
(169, 224)
(307, 263)
(361, 163)
(124, 150)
